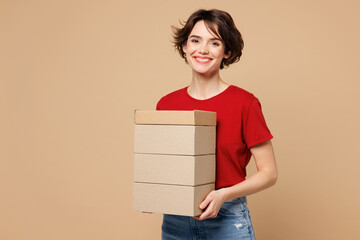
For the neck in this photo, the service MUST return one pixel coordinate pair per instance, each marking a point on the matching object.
(206, 86)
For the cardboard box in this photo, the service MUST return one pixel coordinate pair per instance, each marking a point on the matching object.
(175, 139)
(196, 117)
(170, 199)
(174, 169)
(174, 160)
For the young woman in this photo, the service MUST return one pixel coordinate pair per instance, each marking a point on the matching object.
(209, 41)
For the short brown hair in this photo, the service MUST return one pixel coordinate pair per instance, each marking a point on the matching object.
(226, 31)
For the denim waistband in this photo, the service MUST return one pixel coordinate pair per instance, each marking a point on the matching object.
(242, 200)
(240, 204)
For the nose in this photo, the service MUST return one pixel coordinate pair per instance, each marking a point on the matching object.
(203, 49)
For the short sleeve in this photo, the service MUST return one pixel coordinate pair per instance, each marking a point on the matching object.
(255, 130)
(158, 105)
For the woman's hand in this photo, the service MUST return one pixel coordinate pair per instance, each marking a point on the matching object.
(211, 205)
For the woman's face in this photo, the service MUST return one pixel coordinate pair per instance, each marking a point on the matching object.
(204, 51)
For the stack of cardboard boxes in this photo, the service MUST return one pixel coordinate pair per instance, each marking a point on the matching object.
(174, 160)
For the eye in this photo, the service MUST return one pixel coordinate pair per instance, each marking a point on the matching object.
(215, 43)
(194, 40)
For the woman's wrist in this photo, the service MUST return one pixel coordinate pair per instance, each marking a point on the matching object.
(225, 194)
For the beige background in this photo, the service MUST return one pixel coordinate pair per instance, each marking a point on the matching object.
(72, 72)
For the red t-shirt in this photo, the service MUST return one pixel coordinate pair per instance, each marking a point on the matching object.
(240, 125)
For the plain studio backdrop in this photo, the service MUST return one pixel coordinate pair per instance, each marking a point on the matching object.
(72, 73)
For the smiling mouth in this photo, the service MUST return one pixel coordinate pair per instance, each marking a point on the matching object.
(202, 60)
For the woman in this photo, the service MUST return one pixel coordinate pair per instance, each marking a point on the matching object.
(209, 41)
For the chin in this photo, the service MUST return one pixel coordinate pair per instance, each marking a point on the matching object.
(205, 71)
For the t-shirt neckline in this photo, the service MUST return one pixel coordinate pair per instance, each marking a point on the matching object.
(208, 99)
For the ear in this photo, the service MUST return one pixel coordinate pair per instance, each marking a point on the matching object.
(227, 55)
(184, 48)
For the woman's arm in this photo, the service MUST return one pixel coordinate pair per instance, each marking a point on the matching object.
(265, 177)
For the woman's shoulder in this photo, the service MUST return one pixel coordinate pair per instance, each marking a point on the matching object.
(241, 94)
(175, 93)
(171, 97)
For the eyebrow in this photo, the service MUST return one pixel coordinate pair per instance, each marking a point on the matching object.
(196, 36)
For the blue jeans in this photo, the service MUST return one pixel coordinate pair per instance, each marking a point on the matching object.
(232, 222)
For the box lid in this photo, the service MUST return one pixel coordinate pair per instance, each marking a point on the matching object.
(195, 117)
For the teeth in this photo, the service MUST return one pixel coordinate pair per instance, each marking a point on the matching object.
(203, 59)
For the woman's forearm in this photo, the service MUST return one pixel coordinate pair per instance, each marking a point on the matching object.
(266, 175)
(257, 182)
